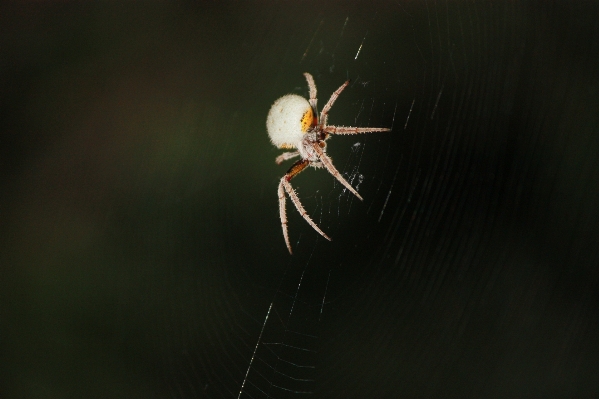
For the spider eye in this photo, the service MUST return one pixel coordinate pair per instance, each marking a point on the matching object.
(307, 120)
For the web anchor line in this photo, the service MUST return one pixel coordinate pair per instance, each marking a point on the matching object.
(255, 350)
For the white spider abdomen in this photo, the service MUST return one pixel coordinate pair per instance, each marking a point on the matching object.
(288, 120)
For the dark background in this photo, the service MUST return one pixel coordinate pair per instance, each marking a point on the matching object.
(140, 244)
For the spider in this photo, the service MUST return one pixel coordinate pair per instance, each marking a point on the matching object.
(293, 123)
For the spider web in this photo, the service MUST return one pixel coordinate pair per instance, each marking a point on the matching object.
(141, 250)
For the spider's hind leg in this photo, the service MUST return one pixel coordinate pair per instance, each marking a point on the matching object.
(285, 156)
(328, 164)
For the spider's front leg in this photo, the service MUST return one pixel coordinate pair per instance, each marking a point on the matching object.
(312, 87)
(285, 186)
(324, 114)
(353, 130)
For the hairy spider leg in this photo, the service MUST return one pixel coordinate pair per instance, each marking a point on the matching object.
(312, 87)
(285, 156)
(328, 164)
(325, 111)
(353, 130)
(284, 185)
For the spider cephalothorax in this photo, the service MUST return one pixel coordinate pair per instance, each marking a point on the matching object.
(293, 122)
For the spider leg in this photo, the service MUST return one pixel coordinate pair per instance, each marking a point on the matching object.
(285, 156)
(328, 164)
(285, 186)
(312, 87)
(329, 104)
(283, 214)
(353, 130)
